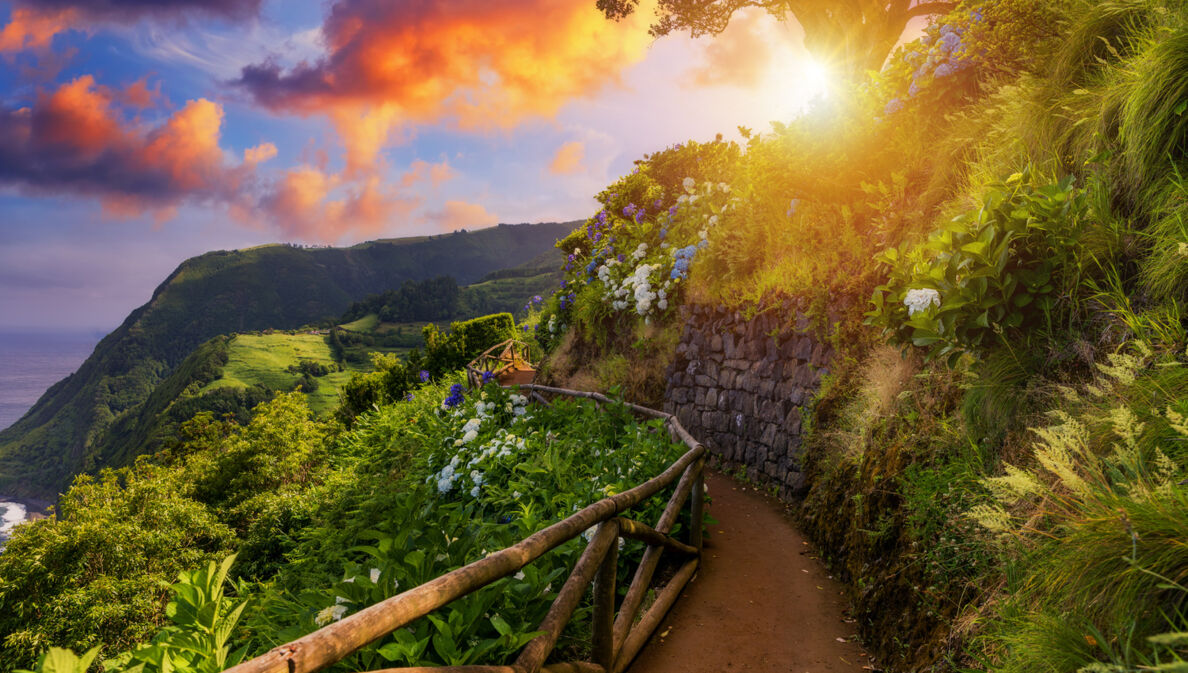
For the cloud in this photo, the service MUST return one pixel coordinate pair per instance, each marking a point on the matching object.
(259, 154)
(422, 171)
(306, 203)
(34, 28)
(568, 158)
(456, 215)
(739, 56)
(139, 95)
(34, 23)
(74, 140)
(475, 65)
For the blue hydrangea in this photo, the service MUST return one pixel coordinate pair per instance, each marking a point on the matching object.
(488, 377)
(950, 42)
(455, 398)
(424, 375)
(795, 203)
(944, 70)
(894, 105)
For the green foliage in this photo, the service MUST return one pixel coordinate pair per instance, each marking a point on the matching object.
(1008, 274)
(58, 660)
(203, 622)
(94, 574)
(486, 474)
(1095, 520)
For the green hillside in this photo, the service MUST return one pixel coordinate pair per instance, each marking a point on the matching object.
(275, 286)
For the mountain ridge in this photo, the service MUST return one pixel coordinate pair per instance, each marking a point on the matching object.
(275, 286)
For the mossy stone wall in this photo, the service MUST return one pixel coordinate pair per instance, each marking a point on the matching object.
(741, 385)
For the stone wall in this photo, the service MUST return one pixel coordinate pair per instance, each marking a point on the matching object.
(739, 386)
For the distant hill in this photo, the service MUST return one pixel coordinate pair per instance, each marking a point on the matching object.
(274, 286)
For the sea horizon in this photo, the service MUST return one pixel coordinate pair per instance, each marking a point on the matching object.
(34, 358)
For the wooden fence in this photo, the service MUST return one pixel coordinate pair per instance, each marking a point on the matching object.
(617, 634)
(503, 361)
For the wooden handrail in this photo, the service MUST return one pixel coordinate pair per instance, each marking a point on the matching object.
(615, 641)
(510, 353)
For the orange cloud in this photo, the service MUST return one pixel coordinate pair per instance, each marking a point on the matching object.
(73, 140)
(138, 95)
(456, 215)
(568, 158)
(739, 56)
(77, 117)
(474, 64)
(34, 29)
(186, 147)
(302, 205)
(32, 24)
(259, 154)
(420, 171)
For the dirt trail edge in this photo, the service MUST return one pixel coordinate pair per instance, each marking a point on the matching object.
(760, 601)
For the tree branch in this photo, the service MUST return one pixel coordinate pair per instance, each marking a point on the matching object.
(930, 8)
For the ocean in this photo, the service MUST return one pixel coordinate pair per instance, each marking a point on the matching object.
(32, 361)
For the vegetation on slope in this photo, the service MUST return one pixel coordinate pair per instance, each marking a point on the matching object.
(982, 229)
(323, 525)
(279, 287)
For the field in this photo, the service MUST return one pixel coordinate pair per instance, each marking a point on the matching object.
(264, 359)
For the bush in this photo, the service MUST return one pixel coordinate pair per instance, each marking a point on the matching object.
(1008, 274)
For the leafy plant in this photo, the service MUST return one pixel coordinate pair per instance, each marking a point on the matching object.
(1007, 274)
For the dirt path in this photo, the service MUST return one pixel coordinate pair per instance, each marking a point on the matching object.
(760, 601)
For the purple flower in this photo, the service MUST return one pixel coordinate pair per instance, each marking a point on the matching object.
(673, 210)
(488, 377)
(950, 42)
(893, 106)
(944, 70)
(537, 299)
(456, 397)
(424, 376)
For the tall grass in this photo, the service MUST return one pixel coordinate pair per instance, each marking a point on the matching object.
(1096, 524)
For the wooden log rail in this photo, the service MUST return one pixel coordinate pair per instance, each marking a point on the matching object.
(496, 360)
(618, 635)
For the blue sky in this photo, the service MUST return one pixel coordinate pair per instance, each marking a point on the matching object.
(134, 136)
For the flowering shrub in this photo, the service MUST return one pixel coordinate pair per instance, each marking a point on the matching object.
(1003, 272)
(969, 46)
(633, 257)
(491, 470)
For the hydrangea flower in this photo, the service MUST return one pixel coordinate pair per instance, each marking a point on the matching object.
(488, 377)
(920, 299)
(424, 376)
(455, 398)
(330, 614)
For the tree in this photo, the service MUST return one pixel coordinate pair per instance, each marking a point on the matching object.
(852, 35)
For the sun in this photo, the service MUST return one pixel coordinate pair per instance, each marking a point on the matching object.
(793, 82)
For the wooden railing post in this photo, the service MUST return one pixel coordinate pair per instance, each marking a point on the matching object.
(697, 507)
(602, 642)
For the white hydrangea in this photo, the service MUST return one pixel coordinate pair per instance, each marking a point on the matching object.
(689, 184)
(920, 299)
(330, 614)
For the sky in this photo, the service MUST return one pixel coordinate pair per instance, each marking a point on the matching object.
(135, 134)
